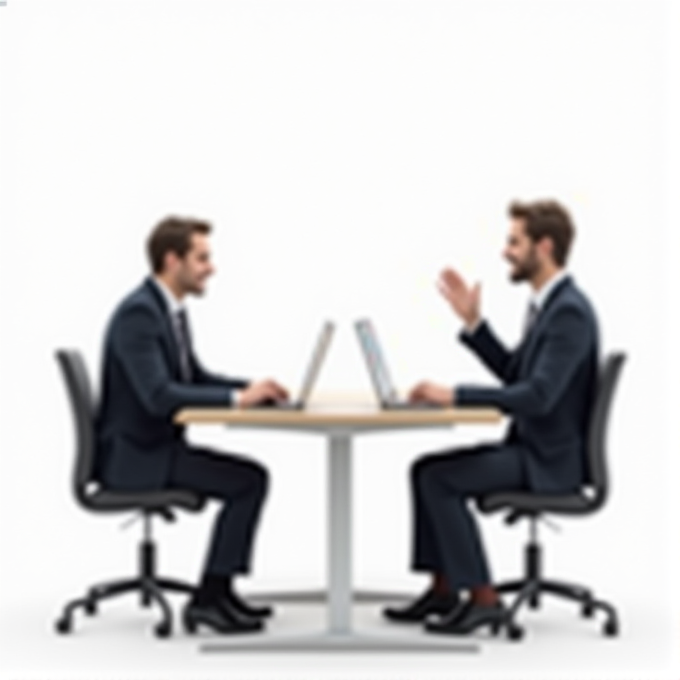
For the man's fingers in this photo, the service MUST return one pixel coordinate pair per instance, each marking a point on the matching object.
(452, 278)
(414, 394)
(444, 289)
(265, 389)
(271, 388)
(276, 391)
(280, 389)
(420, 391)
(425, 394)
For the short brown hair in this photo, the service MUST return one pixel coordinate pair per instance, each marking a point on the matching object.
(546, 219)
(173, 234)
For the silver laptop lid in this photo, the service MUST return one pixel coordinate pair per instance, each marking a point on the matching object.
(320, 350)
(375, 360)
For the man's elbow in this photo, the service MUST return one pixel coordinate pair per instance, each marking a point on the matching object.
(160, 404)
(537, 402)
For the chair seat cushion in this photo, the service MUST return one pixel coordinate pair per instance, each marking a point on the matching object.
(535, 503)
(106, 500)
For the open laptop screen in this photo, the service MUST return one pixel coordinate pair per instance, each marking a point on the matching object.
(376, 361)
(318, 356)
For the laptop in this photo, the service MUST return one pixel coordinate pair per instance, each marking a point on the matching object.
(380, 375)
(318, 356)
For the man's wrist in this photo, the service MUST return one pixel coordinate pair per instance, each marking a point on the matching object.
(472, 325)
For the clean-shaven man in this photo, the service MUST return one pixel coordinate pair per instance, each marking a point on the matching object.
(150, 372)
(548, 384)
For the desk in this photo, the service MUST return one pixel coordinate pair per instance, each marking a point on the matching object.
(339, 422)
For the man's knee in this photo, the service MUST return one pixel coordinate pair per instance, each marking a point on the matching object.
(439, 471)
(248, 478)
(417, 470)
(259, 479)
(422, 471)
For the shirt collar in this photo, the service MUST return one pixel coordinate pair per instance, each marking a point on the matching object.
(539, 297)
(173, 304)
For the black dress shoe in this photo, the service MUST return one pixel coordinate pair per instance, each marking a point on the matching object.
(417, 611)
(220, 616)
(467, 618)
(241, 606)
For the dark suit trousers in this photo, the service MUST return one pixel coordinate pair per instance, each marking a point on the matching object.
(241, 485)
(446, 536)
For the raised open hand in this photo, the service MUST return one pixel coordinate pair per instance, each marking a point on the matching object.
(465, 301)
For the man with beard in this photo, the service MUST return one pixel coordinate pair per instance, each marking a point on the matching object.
(548, 384)
(150, 371)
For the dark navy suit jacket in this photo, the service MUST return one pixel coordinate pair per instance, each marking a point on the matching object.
(141, 391)
(548, 387)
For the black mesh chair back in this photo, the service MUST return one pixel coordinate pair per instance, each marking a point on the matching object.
(83, 409)
(599, 421)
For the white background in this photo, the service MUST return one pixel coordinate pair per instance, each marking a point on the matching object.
(344, 152)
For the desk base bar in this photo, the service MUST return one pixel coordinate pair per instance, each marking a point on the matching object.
(337, 642)
(321, 596)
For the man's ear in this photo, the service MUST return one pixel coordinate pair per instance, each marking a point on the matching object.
(170, 261)
(547, 247)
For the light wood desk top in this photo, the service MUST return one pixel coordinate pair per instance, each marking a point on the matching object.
(339, 410)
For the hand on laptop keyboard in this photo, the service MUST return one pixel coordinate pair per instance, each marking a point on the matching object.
(270, 401)
(258, 392)
(429, 392)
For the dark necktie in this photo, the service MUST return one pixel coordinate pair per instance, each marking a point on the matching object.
(182, 327)
(530, 320)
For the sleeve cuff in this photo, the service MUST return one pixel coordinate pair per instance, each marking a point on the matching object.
(471, 330)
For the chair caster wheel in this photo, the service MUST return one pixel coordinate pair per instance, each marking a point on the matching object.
(515, 632)
(611, 628)
(91, 608)
(190, 627)
(145, 600)
(163, 630)
(63, 626)
(534, 603)
(587, 610)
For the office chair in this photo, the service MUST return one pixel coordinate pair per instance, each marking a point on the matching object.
(93, 498)
(533, 506)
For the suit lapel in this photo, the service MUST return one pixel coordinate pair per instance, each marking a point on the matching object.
(527, 347)
(166, 324)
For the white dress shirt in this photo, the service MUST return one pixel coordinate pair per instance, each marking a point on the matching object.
(538, 297)
(174, 305)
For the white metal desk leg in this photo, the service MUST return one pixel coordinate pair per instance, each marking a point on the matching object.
(339, 532)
